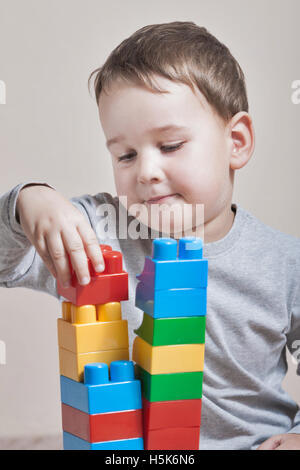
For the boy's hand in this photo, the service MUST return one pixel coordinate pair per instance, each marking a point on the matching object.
(55, 227)
(281, 442)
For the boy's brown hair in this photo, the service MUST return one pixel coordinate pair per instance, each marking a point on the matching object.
(180, 51)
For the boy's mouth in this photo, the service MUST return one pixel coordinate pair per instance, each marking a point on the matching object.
(160, 199)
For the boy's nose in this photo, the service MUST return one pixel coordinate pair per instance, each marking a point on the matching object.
(149, 170)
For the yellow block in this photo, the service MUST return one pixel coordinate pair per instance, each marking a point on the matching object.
(168, 359)
(90, 337)
(83, 314)
(66, 310)
(72, 365)
(110, 311)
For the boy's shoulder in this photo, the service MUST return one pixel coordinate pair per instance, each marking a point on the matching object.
(264, 237)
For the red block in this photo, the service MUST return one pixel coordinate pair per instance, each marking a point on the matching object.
(104, 426)
(172, 439)
(109, 286)
(171, 414)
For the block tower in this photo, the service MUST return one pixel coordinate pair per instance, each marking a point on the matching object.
(101, 399)
(169, 347)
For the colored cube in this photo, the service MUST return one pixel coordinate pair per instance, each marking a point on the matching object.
(172, 302)
(98, 393)
(171, 414)
(166, 270)
(71, 442)
(104, 426)
(168, 359)
(91, 337)
(166, 331)
(109, 286)
(172, 438)
(72, 365)
(167, 387)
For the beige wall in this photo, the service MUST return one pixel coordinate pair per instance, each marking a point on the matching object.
(49, 131)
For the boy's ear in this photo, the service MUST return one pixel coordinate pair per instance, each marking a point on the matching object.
(242, 140)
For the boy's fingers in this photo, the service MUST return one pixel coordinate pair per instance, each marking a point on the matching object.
(58, 257)
(92, 246)
(42, 250)
(74, 246)
(270, 444)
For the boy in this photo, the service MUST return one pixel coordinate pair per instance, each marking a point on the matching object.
(173, 108)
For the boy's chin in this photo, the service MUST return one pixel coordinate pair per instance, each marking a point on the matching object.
(174, 228)
(176, 220)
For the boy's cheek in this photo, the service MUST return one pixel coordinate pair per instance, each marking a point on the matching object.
(122, 187)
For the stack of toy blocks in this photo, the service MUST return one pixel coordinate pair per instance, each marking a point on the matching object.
(169, 347)
(98, 412)
(103, 413)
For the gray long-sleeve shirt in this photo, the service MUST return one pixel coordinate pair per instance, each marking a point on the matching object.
(253, 314)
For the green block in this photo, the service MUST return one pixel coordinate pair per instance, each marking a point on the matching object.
(164, 331)
(167, 387)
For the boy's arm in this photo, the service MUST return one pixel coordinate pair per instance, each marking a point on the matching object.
(291, 439)
(20, 264)
(293, 345)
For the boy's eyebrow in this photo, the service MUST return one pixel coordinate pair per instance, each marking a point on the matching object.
(168, 127)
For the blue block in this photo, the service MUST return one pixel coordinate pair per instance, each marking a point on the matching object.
(98, 393)
(166, 270)
(171, 303)
(72, 442)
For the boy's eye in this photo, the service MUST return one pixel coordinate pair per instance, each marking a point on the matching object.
(165, 148)
(127, 157)
(172, 148)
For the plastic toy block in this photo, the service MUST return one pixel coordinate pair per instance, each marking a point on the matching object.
(171, 414)
(172, 439)
(171, 303)
(168, 387)
(98, 393)
(83, 337)
(166, 270)
(168, 359)
(104, 426)
(71, 442)
(66, 311)
(111, 311)
(166, 331)
(72, 365)
(109, 286)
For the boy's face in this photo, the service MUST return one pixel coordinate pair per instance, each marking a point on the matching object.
(189, 164)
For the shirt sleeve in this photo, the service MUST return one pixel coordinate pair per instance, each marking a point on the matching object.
(296, 427)
(293, 345)
(20, 264)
